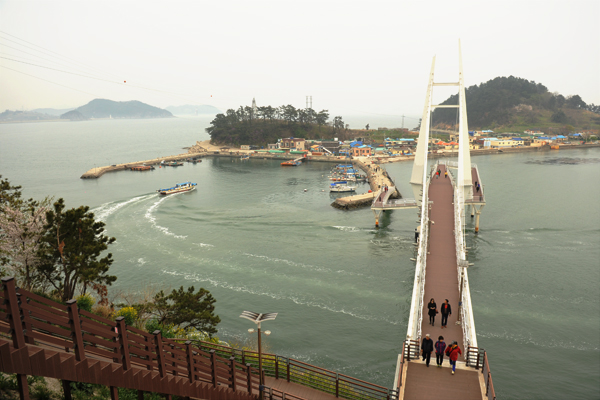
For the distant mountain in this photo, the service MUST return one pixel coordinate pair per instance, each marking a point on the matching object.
(193, 110)
(510, 103)
(102, 108)
(74, 115)
(52, 111)
(20, 116)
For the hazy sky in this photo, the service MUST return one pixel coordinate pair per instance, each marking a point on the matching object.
(353, 57)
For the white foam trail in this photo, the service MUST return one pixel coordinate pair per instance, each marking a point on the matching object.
(276, 296)
(347, 228)
(152, 220)
(105, 210)
(203, 245)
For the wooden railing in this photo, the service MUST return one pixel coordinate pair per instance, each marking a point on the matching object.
(487, 375)
(295, 371)
(38, 327)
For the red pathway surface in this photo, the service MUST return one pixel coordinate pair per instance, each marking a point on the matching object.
(441, 282)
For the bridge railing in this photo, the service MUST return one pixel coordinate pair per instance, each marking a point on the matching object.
(416, 305)
(466, 310)
(295, 371)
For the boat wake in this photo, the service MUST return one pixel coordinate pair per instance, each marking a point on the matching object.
(107, 209)
(150, 217)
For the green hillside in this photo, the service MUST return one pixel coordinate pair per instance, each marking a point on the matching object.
(514, 104)
(102, 108)
(268, 124)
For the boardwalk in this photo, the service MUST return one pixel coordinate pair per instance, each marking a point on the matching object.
(441, 282)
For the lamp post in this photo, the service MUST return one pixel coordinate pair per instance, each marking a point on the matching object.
(257, 319)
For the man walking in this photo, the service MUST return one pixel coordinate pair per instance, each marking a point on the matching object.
(426, 349)
(446, 311)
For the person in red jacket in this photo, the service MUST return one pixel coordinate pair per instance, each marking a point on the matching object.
(453, 352)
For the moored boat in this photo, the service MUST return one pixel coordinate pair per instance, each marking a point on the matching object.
(180, 187)
(341, 187)
(142, 168)
(290, 163)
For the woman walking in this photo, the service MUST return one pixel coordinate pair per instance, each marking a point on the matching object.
(440, 346)
(453, 352)
(446, 311)
(432, 311)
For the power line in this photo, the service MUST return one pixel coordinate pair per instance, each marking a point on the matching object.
(46, 80)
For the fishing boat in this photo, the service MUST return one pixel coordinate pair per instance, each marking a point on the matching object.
(180, 187)
(291, 163)
(245, 157)
(341, 187)
(142, 168)
(171, 164)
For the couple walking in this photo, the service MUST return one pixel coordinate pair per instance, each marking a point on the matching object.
(445, 309)
(452, 351)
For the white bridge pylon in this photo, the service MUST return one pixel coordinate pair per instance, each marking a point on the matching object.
(464, 180)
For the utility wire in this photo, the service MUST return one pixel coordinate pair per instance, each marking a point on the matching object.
(46, 80)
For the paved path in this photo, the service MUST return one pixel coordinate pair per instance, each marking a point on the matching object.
(441, 282)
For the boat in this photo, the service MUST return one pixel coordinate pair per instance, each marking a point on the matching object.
(245, 157)
(179, 188)
(173, 164)
(142, 168)
(291, 163)
(341, 187)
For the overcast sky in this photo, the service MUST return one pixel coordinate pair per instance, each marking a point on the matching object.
(352, 57)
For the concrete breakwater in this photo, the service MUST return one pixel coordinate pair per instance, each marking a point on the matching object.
(377, 177)
(97, 172)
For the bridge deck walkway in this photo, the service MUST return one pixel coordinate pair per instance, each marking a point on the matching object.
(441, 282)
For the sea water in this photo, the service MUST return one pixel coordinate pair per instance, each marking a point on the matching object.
(264, 238)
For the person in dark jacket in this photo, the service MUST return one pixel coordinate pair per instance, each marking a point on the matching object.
(440, 346)
(432, 307)
(446, 311)
(426, 349)
(453, 352)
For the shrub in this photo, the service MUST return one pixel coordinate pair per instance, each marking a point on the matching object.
(129, 313)
(86, 302)
(166, 331)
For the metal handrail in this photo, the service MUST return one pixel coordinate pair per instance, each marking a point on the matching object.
(416, 308)
(466, 317)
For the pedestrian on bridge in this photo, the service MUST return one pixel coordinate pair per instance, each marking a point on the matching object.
(432, 311)
(453, 352)
(440, 346)
(446, 311)
(426, 349)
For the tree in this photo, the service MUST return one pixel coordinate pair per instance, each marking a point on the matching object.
(576, 102)
(21, 230)
(559, 117)
(21, 227)
(338, 123)
(322, 117)
(187, 309)
(70, 251)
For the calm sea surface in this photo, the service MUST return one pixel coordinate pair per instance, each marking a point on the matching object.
(252, 236)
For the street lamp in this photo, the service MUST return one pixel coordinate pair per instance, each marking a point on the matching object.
(257, 319)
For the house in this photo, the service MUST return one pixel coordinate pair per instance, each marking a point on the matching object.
(361, 151)
(273, 146)
(292, 144)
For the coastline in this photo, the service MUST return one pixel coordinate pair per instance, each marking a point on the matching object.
(205, 149)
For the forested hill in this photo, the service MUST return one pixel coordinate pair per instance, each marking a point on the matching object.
(102, 108)
(267, 124)
(510, 102)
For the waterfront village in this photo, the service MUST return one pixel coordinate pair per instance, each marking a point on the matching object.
(396, 148)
